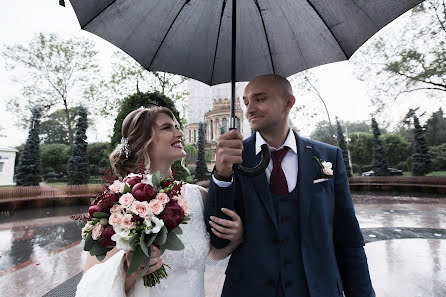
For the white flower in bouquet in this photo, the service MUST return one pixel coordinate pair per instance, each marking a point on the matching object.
(153, 225)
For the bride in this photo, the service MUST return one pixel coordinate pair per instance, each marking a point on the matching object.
(152, 135)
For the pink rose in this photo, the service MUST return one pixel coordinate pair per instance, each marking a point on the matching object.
(97, 231)
(184, 205)
(116, 208)
(328, 171)
(173, 215)
(126, 200)
(156, 206)
(132, 180)
(127, 222)
(163, 198)
(117, 187)
(143, 192)
(142, 209)
(106, 240)
(115, 218)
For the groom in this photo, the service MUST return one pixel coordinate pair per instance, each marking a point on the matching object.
(302, 237)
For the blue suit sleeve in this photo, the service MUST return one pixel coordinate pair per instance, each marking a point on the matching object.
(218, 198)
(348, 239)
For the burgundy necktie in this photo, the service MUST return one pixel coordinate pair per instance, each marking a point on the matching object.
(277, 180)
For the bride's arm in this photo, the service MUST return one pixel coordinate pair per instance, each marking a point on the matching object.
(227, 229)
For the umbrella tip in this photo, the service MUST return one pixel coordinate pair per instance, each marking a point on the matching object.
(62, 3)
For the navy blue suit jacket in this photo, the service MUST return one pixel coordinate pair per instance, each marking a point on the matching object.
(332, 242)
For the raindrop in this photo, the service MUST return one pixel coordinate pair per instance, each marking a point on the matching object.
(386, 212)
(398, 230)
(392, 210)
(436, 234)
(372, 235)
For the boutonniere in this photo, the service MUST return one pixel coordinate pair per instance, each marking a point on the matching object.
(326, 168)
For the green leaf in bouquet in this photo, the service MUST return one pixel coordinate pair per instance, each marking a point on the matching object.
(161, 237)
(156, 179)
(99, 215)
(186, 218)
(98, 249)
(151, 239)
(92, 199)
(101, 257)
(177, 230)
(89, 242)
(142, 244)
(127, 189)
(146, 264)
(173, 243)
(137, 259)
(134, 242)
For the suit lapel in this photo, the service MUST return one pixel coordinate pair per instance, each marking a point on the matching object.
(306, 173)
(259, 183)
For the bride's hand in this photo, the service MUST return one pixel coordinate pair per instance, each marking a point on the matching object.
(155, 263)
(228, 229)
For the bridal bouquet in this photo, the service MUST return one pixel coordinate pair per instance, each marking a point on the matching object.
(133, 214)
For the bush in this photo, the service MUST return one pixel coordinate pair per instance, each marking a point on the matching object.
(402, 166)
(438, 157)
(367, 167)
(356, 168)
(409, 163)
(57, 180)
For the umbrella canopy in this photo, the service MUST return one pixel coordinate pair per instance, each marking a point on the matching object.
(193, 37)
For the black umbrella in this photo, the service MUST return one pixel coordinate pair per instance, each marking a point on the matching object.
(201, 38)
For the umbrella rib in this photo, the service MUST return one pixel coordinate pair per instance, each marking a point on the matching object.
(266, 35)
(167, 32)
(82, 27)
(218, 38)
(328, 28)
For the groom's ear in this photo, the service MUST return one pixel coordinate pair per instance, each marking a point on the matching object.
(290, 102)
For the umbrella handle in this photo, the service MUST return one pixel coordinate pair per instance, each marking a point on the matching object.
(260, 168)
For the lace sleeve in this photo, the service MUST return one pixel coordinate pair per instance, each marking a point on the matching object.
(105, 279)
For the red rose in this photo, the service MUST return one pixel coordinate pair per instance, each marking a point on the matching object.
(106, 240)
(172, 215)
(107, 202)
(175, 191)
(94, 208)
(144, 192)
(165, 183)
(132, 180)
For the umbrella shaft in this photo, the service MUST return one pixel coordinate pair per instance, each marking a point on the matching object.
(233, 59)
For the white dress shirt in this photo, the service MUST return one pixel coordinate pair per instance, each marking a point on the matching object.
(289, 161)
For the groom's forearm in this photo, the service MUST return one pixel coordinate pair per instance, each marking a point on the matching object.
(218, 198)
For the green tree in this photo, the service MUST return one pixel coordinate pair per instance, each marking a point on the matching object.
(379, 162)
(29, 167)
(136, 101)
(396, 147)
(52, 73)
(98, 157)
(201, 171)
(78, 171)
(438, 156)
(322, 133)
(128, 77)
(55, 157)
(53, 128)
(407, 58)
(436, 129)
(361, 149)
(421, 157)
(343, 145)
(191, 153)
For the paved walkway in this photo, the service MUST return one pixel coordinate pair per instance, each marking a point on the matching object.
(406, 248)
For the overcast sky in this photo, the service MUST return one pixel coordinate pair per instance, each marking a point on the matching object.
(21, 20)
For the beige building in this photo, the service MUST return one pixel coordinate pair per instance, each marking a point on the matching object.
(7, 160)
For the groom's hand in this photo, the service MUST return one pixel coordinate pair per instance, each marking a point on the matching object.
(229, 152)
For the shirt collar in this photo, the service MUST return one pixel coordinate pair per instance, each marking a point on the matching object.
(290, 142)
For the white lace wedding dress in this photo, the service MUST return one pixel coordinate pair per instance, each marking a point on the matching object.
(185, 278)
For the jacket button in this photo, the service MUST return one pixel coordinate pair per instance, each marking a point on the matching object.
(270, 283)
(285, 240)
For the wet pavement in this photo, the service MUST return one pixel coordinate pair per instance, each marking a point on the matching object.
(406, 248)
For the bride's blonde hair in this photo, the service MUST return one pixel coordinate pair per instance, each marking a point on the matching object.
(138, 132)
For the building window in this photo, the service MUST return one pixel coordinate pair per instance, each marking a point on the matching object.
(1, 166)
(212, 130)
(224, 123)
(195, 136)
(190, 133)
